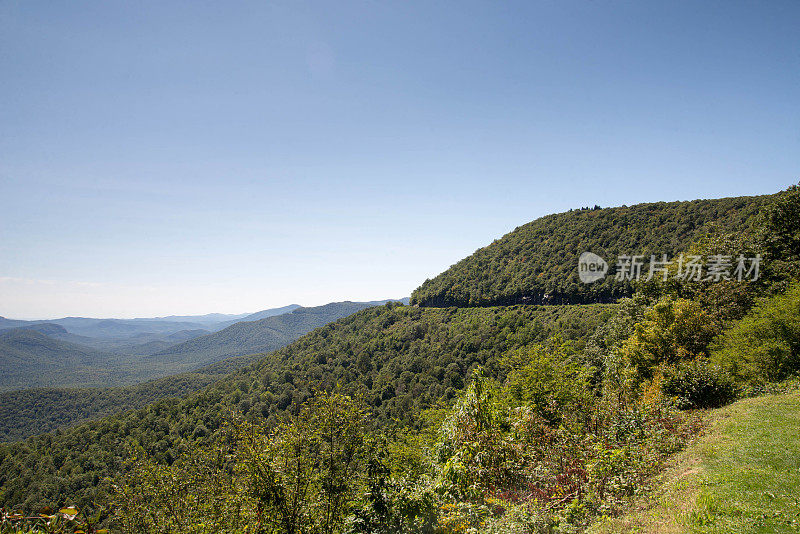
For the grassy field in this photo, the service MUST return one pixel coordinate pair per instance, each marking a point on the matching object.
(742, 475)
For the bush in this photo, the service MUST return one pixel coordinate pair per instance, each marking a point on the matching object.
(765, 345)
(698, 384)
(671, 331)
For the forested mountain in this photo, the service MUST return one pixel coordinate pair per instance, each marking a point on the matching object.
(263, 314)
(121, 330)
(207, 319)
(138, 344)
(48, 329)
(260, 336)
(118, 328)
(399, 358)
(6, 324)
(29, 412)
(30, 358)
(537, 262)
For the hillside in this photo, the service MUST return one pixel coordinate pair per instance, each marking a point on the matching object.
(537, 262)
(29, 412)
(48, 329)
(137, 344)
(263, 314)
(260, 336)
(29, 358)
(743, 475)
(401, 359)
(116, 328)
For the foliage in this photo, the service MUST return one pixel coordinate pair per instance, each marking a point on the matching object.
(537, 262)
(670, 332)
(502, 467)
(399, 359)
(29, 412)
(780, 235)
(698, 384)
(551, 381)
(765, 345)
(67, 520)
(299, 477)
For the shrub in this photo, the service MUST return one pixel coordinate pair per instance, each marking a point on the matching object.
(671, 331)
(698, 384)
(547, 379)
(765, 345)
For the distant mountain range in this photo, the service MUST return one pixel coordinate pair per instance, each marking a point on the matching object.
(259, 336)
(256, 316)
(142, 336)
(86, 352)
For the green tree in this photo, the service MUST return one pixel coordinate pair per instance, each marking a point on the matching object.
(670, 332)
(765, 345)
(781, 237)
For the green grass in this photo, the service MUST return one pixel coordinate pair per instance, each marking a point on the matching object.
(742, 475)
(751, 469)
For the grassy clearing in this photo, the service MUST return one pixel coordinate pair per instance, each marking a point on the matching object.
(743, 475)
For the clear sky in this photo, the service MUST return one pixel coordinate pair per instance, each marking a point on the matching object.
(191, 157)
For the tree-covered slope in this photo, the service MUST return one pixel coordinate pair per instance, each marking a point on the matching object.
(29, 358)
(538, 262)
(263, 314)
(25, 413)
(400, 359)
(260, 336)
(29, 412)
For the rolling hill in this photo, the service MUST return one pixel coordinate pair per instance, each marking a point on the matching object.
(400, 358)
(120, 330)
(260, 336)
(263, 314)
(138, 344)
(537, 262)
(29, 412)
(29, 358)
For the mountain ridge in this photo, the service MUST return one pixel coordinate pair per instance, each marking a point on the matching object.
(536, 263)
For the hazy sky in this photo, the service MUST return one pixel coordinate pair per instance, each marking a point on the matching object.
(191, 157)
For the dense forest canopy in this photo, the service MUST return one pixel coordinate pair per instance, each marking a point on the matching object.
(537, 262)
(400, 359)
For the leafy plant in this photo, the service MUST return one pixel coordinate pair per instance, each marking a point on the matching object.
(698, 384)
(765, 345)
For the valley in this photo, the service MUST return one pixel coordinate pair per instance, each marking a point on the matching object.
(556, 412)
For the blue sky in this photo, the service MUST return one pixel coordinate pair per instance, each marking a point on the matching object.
(192, 157)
